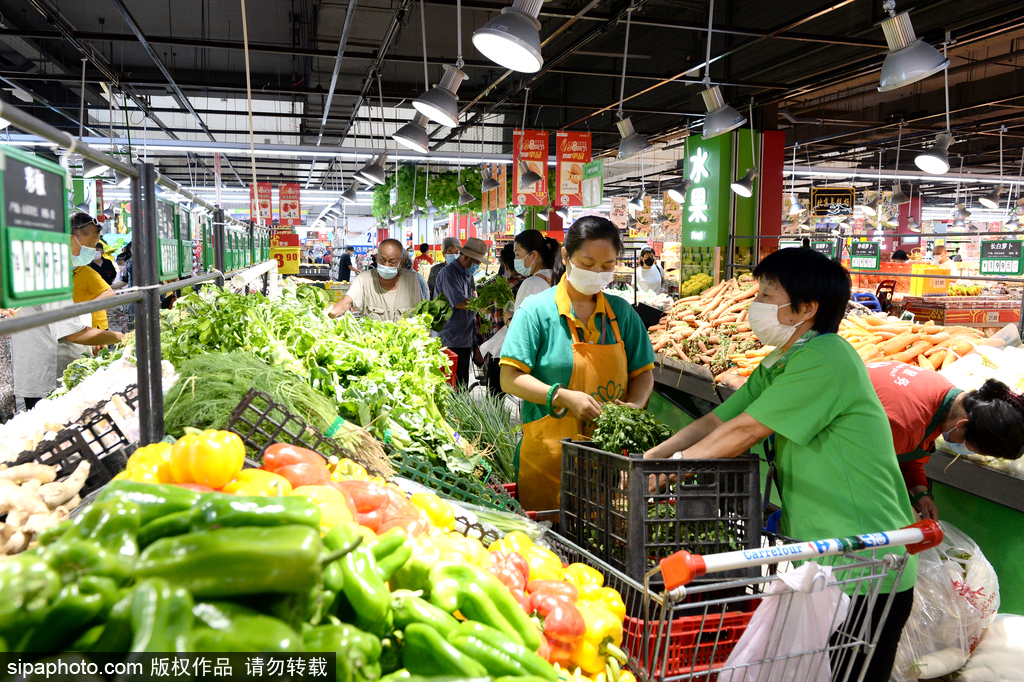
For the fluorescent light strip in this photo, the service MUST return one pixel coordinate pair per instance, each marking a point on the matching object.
(872, 176)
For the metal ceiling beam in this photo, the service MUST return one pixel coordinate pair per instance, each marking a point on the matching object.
(349, 14)
(178, 94)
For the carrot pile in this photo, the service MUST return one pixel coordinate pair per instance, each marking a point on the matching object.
(927, 345)
(712, 329)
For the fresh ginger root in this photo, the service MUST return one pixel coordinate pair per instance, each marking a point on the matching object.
(56, 494)
(27, 472)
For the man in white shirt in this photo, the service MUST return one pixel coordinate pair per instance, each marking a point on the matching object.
(941, 258)
(387, 292)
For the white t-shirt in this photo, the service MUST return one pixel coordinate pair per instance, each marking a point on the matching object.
(371, 300)
(954, 269)
(649, 280)
(39, 357)
(534, 284)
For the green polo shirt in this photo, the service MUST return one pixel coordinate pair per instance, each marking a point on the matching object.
(837, 468)
(539, 341)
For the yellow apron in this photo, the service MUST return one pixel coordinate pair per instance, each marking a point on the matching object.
(598, 369)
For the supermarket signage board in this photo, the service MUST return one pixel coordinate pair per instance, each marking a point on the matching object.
(832, 201)
(287, 258)
(827, 247)
(593, 184)
(167, 238)
(1003, 257)
(705, 213)
(865, 255)
(35, 241)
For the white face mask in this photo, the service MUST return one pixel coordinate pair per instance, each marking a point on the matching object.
(764, 322)
(958, 448)
(522, 268)
(85, 256)
(387, 271)
(588, 282)
(449, 257)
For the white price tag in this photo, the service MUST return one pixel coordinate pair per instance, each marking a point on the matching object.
(48, 258)
(992, 316)
(17, 268)
(39, 250)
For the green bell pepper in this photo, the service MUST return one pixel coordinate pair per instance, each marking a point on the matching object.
(389, 564)
(161, 616)
(483, 598)
(387, 543)
(497, 663)
(29, 587)
(366, 592)
(230, 562)
(167, 526)
(79, 605)
(153, 499)
(527, 660)
(410, 609)
(426, 652)
(358, 652)
(102, 541)
(116, 633)
(227, 511)
(341, 537)
(223, 626)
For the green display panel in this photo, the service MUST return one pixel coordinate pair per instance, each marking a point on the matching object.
(865, 255)
(207, 232)
(167, 237)
(247, 237)
(35, 242)
(184, 219)
(1004, 257)
(229, 249)
(705, 218)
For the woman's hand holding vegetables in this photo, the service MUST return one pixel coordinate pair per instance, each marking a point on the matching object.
(582, 405)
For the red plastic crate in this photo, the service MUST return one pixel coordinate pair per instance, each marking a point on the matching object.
(510, 488)
(452, 377)
(695, 644)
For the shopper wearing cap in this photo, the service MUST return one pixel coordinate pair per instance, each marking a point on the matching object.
(87, 283)
(450, 249)
(922, 405)
(455, 282)
(569, 350)
(387, 292)
(837, 469)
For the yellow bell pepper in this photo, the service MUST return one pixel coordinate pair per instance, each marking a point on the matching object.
(159, 453)
(212, 458)
(581, 574)
(518, 541)
(438, 512)
(612, 600)
(481, 557)
(333, 509)
(544, 564)
(347, 470)
(602, 638)
(626, 676)
(150, 464)
(257, 482)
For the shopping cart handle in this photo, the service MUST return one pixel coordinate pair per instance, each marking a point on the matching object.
(681, 568)
(932, 535)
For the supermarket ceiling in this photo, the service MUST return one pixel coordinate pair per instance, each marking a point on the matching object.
(810, 67)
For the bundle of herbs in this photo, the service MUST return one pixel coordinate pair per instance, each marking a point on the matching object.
(623, 429)
(210, 386)
(491, 293)
(438, 309)
(486, 420)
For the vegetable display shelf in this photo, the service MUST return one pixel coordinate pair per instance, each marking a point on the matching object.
(455, 487)
(260, 422)
(713, 506)
(692, 379)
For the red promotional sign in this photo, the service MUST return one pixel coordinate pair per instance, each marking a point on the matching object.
(279, 240)
(572, 150)
(259, 203)
(531, 147)
(289, 204)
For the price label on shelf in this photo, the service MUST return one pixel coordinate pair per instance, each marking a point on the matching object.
(1005, 258)
(865, 255)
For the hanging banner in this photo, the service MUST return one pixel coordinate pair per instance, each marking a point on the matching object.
(643, 218)
(618, 213)
(259, 203)
(832, 201)
(530, 147)
(572, 154)
(289, 204)
(502, 192)
(593, 184)
(674, 211)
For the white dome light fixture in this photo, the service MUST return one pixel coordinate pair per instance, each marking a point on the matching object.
(935, 160)
(512, 40)
(440, 104)
(413, 135)
(721, 118)
(909, 59)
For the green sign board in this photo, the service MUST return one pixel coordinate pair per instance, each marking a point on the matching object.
(705, 213)
(206, 223)
(592, 187)
(827, 247)
(1002, 258)
(167, 238)
(35, 242)
(865, 255)
(184, 219)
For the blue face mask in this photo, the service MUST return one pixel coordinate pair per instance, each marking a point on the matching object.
(449, 257)
(386, 271)
(958, 448)
(84, 257)
(473, 268)
(522, 268)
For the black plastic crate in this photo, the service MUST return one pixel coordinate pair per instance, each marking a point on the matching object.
(607, 509)
(261, 422)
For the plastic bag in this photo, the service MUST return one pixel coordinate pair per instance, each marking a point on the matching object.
(998, 656)
(798, 621)
(955, 598)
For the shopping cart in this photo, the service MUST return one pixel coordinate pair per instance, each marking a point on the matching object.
(689, 632)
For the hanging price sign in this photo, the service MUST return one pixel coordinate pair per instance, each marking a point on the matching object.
(1002, 258)
(865, 255)
(167, 239)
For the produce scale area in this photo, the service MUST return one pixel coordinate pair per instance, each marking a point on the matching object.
(438, 341)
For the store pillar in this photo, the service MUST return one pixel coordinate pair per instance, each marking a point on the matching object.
(146, 251)
(772, 176)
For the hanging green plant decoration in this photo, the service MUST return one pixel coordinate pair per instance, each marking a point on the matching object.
(444, 191)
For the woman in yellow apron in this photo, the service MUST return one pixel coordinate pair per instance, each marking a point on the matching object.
(569, 350)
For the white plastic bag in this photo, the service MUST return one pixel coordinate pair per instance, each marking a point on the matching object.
(999, 655)
(955, 598)
(798, 621)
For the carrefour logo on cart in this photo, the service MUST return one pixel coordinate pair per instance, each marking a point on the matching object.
(698, 205)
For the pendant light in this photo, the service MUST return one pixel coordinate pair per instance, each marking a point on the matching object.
(527, 177)
(912, 223)
(898, 198)
(489, 182)
(431, 209)
(349, 195)
(795, 205)
(676, 190)
(440, 104)
(91, 169)
(512, 39)
(413, 135)
(631, 142)
(745, 186)
(636, 202)
(909, 59)
(935, 160)
(991, 200)
(464, 196)
(545, 213)
(721, 118)
(562, 212)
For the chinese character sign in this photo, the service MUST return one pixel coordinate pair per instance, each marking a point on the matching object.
(618, 212)
(289, 209)
(259, 203)
(531, 148)
(593, 184)
(704, 217)
(573, 153)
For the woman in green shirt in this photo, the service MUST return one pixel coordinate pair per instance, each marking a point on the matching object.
(837, 468)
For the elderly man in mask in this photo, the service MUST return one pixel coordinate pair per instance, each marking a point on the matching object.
(387, 292)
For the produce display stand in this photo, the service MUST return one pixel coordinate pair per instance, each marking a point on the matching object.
(964, 311)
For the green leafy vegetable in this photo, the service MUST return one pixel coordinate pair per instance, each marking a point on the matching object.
(620, 428)
(438, 309)
(486, 419)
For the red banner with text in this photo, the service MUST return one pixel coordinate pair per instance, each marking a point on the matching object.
(289, 204)
(531, 148)
(259, 203)
(572, 151)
